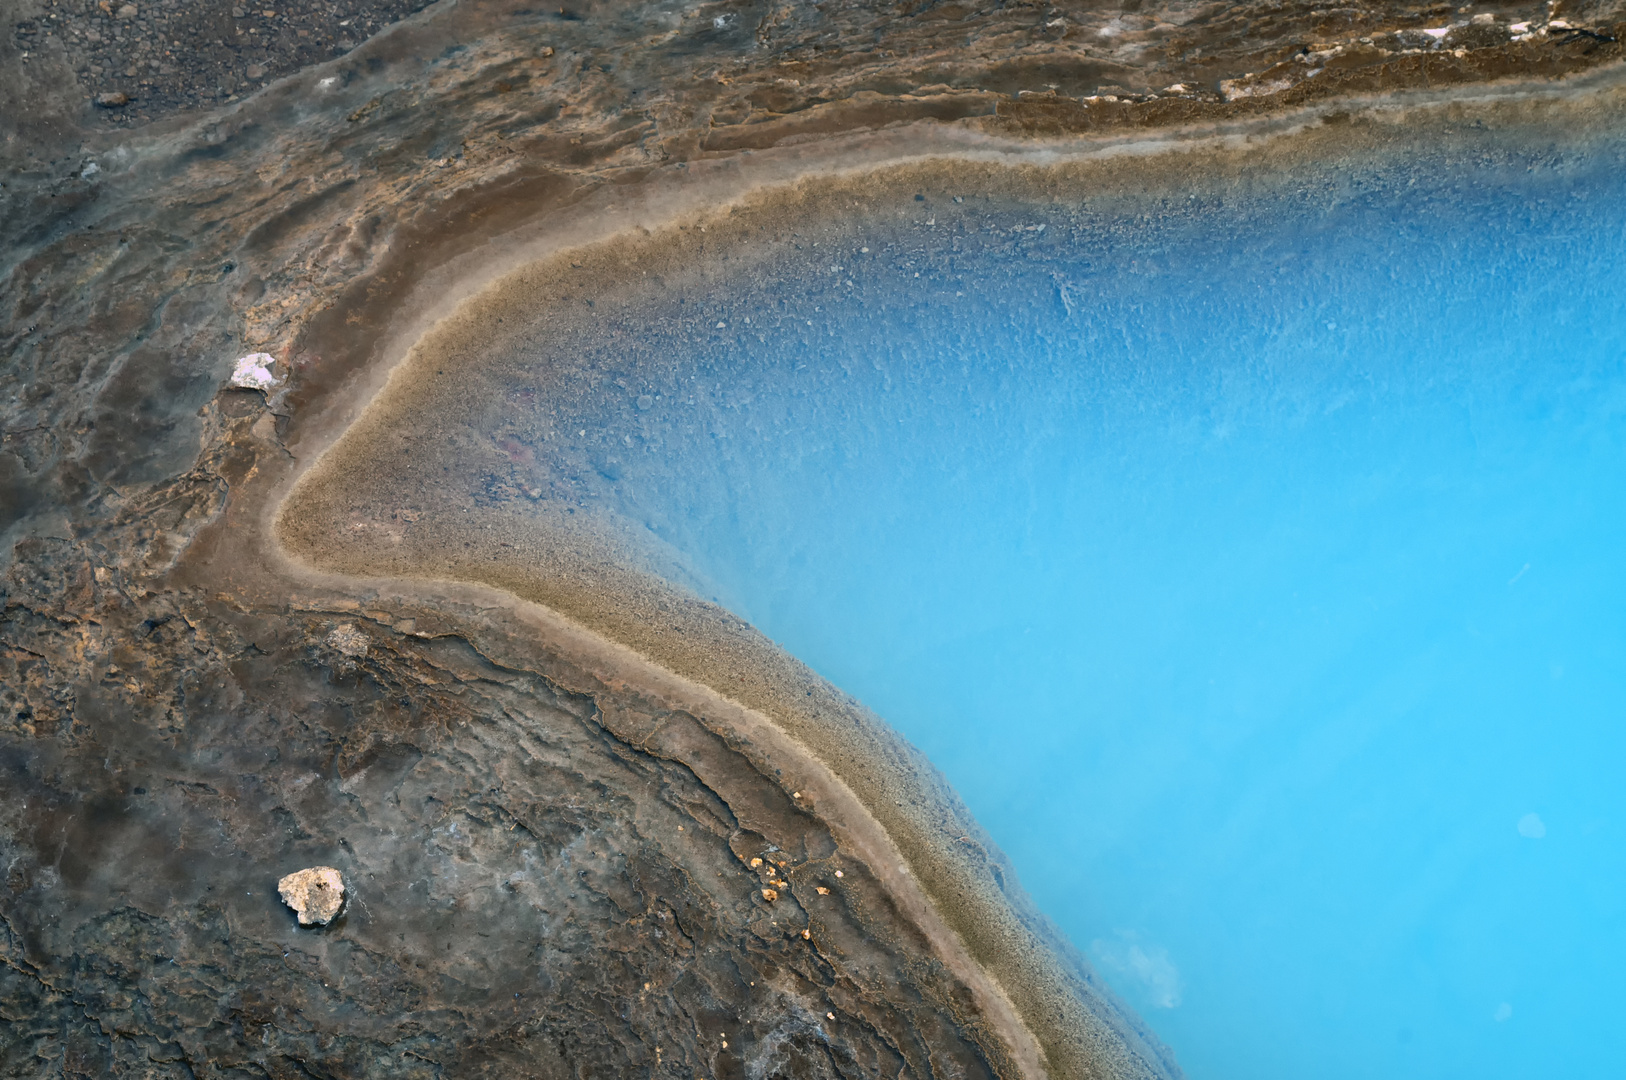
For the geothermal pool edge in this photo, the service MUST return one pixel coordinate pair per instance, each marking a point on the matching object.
(945, 874)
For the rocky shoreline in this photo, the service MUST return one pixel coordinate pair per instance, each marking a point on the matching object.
(551, 841)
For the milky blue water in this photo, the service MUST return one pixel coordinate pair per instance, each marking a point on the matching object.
(1259, 581)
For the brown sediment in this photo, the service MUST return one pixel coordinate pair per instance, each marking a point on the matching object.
(606, 604)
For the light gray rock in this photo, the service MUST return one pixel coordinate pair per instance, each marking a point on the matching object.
(316, 894)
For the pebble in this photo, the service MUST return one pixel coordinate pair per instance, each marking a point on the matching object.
(113, 99)
(316, 894)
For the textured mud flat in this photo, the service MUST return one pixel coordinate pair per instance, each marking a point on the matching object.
(551, 843)
(545, 883)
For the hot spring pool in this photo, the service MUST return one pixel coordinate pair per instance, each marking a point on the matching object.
(1251, 557)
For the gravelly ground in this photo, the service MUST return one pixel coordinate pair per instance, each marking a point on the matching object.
(146, 60)
(169, 55)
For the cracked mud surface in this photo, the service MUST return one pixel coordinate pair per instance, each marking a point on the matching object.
(539, 887)
(551, 861)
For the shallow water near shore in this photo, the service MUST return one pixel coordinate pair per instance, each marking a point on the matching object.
(1246, 554)
(1295, 609)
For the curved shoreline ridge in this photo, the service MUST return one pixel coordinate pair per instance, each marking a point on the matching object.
(439, 478)
(969, 903)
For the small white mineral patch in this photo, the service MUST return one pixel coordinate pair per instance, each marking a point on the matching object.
(253, 372)
(316, 894)
(348, 640)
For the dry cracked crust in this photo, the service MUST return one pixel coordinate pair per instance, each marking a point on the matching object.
(170, 750)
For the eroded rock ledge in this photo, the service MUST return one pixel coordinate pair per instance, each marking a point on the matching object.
(544, 882)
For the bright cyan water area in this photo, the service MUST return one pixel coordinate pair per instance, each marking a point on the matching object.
(1263, 592)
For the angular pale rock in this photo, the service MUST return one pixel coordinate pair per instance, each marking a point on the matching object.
(253, 372)
(316, 894)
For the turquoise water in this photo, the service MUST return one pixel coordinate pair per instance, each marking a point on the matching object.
(1257, 573)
